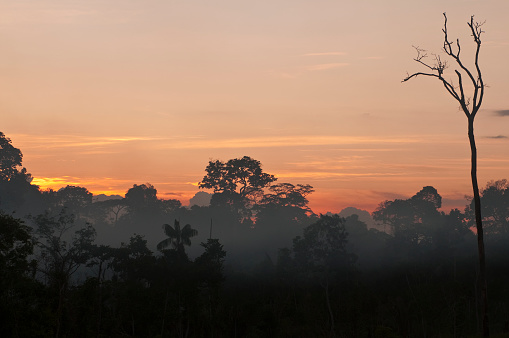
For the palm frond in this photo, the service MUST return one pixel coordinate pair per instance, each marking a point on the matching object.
(164, 244)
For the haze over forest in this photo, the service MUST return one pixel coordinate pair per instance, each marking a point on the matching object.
(264, 260)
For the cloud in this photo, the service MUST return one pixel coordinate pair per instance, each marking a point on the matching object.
(503, 112)
(33, 13)
(326, 66)
(283, 141)
(109, 145)
(326, 54)
(77, 141)
(386, 195)
(331, 175)
(201, 198)
(497, 137)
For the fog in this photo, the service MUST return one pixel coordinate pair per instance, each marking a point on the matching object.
(246, 257)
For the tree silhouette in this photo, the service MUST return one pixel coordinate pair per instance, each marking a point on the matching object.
(15, 187)
(470, 106)
(60, 258)
(141, 198)
(243, 177)
(495, 209)
(10, 158)
(177, 237)
(288, 195)
(237, 184)
(321, 253)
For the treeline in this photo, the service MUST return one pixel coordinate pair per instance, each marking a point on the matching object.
(254, 261)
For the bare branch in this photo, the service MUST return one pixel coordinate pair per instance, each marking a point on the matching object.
(470, 108)
(438, 67)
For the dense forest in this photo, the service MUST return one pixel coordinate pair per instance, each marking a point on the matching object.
(248, 259)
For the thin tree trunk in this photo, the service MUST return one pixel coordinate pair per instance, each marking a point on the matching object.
(329, 308)
(61, 295)
(480, 233)
(100, 300)
(164, 312)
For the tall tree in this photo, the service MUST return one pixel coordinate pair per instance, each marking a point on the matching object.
(73, 198)
(321, 254)
(288, 195)
(16, 247)
(142, 198)
(15, 188)
(61, 256)
(470, 105)
(10, 158)
(243, 176)
(495, 209)
(237, 184)
(282, 213)
(177, 237)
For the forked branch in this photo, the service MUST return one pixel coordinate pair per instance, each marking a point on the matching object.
(470, 106)
(437, 67)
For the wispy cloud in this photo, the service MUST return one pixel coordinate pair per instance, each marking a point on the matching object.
(326, 66)
(77, 141)
(502, 112)
(497, 137)
(326, 54)
(331, 175)
(106, 145)
(38, 14)
(283, 141)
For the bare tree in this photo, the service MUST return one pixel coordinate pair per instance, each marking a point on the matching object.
(470, 105)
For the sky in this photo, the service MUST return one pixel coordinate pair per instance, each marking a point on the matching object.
(107, 94)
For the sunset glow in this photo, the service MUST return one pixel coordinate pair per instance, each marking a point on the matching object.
(107, 94)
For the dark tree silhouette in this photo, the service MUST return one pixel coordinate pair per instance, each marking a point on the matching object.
(16, 247)
(177, 237)
(243, 176)
(407, 218)
(470, 106)
(495, 209)
(141, 198)
(74, 199)
(110, 210)
(321, 252)
(10, 158)
(61, 258)
(15, 187)
(288, 195)
(237, 184)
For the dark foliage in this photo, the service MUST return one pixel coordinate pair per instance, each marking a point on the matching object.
(285, 272)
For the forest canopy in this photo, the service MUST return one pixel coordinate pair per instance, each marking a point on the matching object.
(256, 259)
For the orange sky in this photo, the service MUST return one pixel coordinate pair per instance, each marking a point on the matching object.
(106, 94)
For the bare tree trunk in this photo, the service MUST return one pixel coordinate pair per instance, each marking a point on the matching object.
(329, 308)
(99, 300)
(470, 106)
(480, 233)
(164, 312)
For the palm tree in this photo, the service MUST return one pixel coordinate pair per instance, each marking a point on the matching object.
(177, 237)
